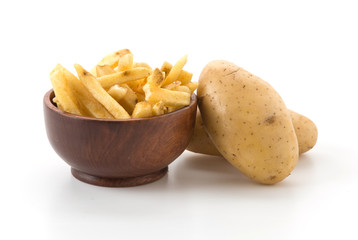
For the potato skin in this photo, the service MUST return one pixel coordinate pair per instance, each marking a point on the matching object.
(200, 141)
(306, 132)
(248, 122)
(305, 129)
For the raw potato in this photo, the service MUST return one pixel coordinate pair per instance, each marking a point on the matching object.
(248, 122)
(306, 132)
(200, 141)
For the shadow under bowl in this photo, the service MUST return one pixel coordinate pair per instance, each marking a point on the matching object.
(118, 152)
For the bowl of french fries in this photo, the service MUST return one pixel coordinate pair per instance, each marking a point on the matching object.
(121, 123)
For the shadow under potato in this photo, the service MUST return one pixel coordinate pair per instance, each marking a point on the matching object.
(200, 170)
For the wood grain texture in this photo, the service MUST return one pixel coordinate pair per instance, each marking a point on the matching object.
(116, 149)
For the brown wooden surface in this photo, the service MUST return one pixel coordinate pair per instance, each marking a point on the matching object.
(107, 148)
(119, 182)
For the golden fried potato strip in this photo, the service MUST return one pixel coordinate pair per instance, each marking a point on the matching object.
(137, 85)
(142, 109)
(124, 96)
(182, 89)
(185, 77)
(159, 108)
(172, 85)
(117, 92)
(166, 67)
(156, 78)
(192, 86)
(140, 96)
(125, 62)
(155, 94)
(125, 76)
(95, 88)
(142, 64)
(175, 71)
(89, 104)
(111, 60)
(103, 70)
(172, 109)
(65, 98)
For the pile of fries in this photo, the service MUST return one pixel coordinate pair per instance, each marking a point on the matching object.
(118, 88)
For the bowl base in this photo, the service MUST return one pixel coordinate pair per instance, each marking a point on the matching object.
(118, 182)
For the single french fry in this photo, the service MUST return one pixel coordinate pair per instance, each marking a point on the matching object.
(65, 98)
(95, 88)
(172, 85)
(111, 60)
(156, 78)
(182, 89)
(192, 86)
(123, 77)
(140, 96)
(166, 67)
(125, 62)
(117, 92)
(142, 109)
(142, 64)
(89, 105)
(155, 94)
(159, 108)
(175, 71)
(185, 77)
(103, 70)
(172, 109)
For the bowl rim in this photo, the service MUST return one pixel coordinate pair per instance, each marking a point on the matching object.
(49, 104)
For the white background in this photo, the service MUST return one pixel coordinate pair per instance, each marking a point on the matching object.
(307, 50)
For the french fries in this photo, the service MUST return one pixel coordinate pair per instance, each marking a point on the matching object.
(140, 96)
(166, 67)
(185, 77)
(65, 98)
(125, 96)
(168, 97)
(142, 109)
(156, 78)
(182, 89)
(125, 62)
(192, 86)
(103, 70)
(111, 60)
(175, 71)
(153, 92)
(172, 85)
(119, 88)
(95, 88)
(159, 108)
(108, 81)
(117, 92)
(142, 64)
(88, 103)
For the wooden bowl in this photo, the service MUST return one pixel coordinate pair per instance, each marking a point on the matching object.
(116, 152)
